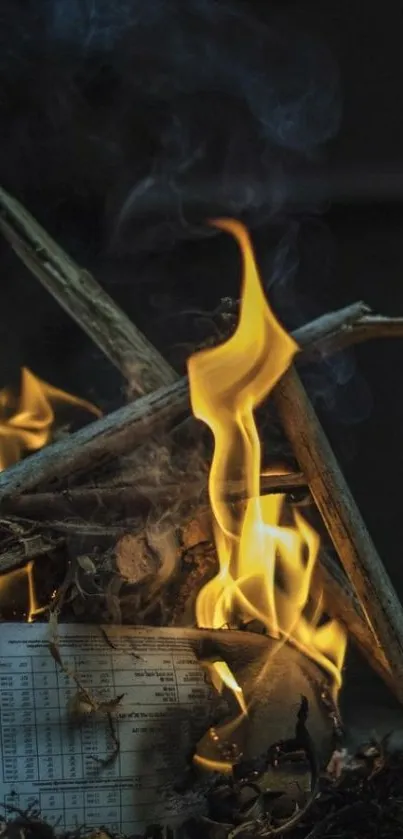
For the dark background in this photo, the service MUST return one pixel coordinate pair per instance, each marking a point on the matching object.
(92, 103)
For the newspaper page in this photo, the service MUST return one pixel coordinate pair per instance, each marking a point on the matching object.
(52, 762)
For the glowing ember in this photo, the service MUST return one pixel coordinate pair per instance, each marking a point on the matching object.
(26, 423)
(265, 567)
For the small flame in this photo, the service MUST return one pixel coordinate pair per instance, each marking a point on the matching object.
(12, 583)
(265, 567)
(26, 423)
(220, 675)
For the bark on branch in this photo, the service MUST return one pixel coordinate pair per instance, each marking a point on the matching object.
(343, 520)
(84, 299)
(92, 446)
(88, 500)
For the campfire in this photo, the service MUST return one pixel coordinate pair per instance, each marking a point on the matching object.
(207, 576)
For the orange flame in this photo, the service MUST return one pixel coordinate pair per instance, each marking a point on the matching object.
(265, 568)
(26, 423)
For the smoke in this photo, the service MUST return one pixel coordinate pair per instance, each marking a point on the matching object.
(93, 25)
(126, 124)
(334, 382)
(153, 114)
(238, 103)
(145, 103)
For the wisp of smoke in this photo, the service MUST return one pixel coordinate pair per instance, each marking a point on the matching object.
(112, 110)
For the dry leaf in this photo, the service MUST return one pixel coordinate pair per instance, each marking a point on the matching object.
(197, 531)
(134, 561)
(85, 562)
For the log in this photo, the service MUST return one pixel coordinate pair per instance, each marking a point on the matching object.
(343, 520)
(84, 299)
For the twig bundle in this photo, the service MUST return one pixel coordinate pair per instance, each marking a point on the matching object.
(373, 614)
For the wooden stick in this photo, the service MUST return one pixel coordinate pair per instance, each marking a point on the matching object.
(91, 446)
(343, 520)
(84, 299)
(113, 332)
(341, 603)
(328, 581)
(118, 432)
(83, 500)
(24, 549)
(365, 328)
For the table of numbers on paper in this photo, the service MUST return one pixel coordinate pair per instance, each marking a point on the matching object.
(53, 761)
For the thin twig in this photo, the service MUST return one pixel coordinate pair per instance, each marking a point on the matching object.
(27, 549)
(366, 328)
(53, 504)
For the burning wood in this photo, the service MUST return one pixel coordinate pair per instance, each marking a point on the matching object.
(351, 539)
(27, 419)
(87, 448)
(92, 446)
(255, 548)
(117, 433)
(267, 552)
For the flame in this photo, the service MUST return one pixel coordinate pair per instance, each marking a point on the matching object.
(26, 423)
(265, 567)
(220, 675)
(12, 585)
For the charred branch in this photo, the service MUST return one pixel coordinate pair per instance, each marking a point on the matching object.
(98, 442)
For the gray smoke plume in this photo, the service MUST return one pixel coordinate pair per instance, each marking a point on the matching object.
(126, 124)
(138, 105)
